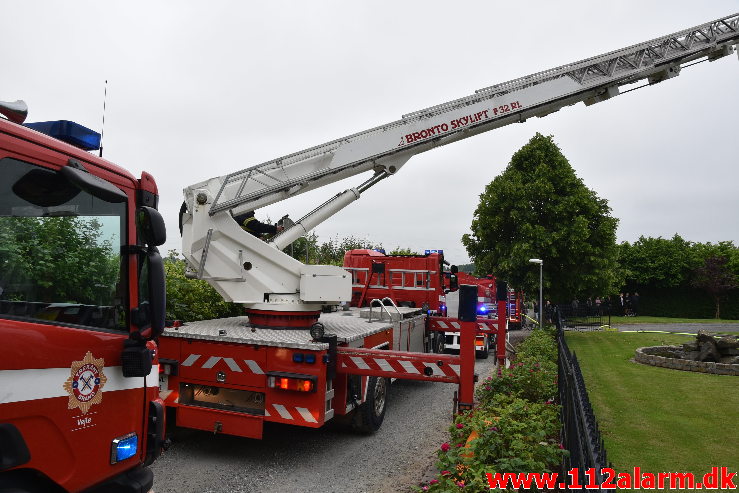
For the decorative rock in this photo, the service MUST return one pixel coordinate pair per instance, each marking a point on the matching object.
(708, 350)
(691, 346)
(728, 342)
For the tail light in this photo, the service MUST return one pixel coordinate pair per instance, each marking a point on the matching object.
(291, 381)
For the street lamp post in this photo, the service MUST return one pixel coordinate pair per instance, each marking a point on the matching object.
(541, 284)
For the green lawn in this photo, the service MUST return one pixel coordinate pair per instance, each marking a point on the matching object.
(666, 320)
(658, 419)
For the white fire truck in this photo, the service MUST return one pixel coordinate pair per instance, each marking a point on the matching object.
(294, 358)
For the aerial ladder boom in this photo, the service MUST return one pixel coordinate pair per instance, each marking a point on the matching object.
(247, 270)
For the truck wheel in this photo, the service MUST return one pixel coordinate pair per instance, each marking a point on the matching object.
(370, 414)
(439, 346)
(24, 481)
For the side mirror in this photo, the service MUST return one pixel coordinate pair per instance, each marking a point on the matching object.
(149, 316)
(151, 226)
(454, 269)
(157, 292)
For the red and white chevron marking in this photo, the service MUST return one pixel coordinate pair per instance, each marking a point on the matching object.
(247, 365)
(413, 366)
(448, 324)
(296, 414)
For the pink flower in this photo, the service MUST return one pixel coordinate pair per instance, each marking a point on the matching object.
(461, 484)
(460, 445)
(425, 488)
(561, 446)
(487, 387)
(433, 481)
(460, 426)
(494, 428)
(445, 446)
(445, 473)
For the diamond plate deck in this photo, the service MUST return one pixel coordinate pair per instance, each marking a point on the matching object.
(348, 327)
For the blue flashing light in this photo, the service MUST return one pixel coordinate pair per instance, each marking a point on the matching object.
(482, 309)
(298, 357)
(427, 252)
(381, 250)
(310, 358)
(69, 132)
(125, 447)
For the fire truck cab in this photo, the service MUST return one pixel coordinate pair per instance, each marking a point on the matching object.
(81, 299)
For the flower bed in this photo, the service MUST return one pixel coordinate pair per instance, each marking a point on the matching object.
(514, 427)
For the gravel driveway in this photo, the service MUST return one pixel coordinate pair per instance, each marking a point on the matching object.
(332, 459)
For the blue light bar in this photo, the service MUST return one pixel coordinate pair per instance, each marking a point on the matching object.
(310, 358)
(297, 357)
(69, 132)
(124, 448)
(427, 252)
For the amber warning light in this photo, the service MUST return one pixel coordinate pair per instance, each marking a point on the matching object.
(291, 381)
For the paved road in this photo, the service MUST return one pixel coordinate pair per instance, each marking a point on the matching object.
(689, 328)
(294, 459)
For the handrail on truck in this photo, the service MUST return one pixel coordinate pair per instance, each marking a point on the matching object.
(383, 307)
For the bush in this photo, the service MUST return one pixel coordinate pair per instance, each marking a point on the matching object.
(529, 380)
(192, 299)
(515, 427)
(509, 434)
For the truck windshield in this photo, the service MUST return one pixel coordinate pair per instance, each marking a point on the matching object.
(60, 250)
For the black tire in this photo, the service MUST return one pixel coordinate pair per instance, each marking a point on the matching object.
(439, 345)
(371, 413)
(26, 481)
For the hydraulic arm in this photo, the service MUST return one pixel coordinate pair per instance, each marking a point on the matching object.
(247, 270)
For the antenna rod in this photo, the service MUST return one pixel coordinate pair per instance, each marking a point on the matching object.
(102, 128)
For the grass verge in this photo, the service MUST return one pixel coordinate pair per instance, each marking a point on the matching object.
(658, 419)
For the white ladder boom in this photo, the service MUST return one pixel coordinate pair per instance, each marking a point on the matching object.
(389, 146)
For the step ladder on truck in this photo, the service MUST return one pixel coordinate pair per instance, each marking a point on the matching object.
(293, 357)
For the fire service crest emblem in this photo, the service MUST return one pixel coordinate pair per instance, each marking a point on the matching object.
(85, 384)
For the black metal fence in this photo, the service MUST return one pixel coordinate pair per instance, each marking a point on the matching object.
(584, 317)
(580, 433)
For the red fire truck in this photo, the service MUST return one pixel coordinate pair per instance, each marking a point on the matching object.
(294, 358)
(81, 298)
(515, 298)
(417, 281)
(409, 280)
(485, 292)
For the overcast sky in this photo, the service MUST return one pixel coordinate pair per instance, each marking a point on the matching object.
(201, 89)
